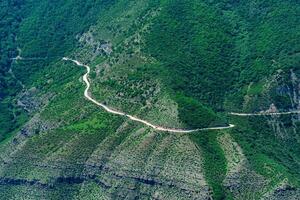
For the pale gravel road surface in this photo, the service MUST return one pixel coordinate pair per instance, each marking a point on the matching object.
(265, 113)
(160, 128)
(133, 118)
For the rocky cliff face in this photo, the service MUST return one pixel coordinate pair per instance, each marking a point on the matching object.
(124, 165)
(278, 93)
(295, 100)
(243, 182)
(287, 98)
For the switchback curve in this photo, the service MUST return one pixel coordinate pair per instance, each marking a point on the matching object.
(133, 118)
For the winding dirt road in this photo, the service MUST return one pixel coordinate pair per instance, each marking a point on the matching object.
(110, 110)
(160, 128)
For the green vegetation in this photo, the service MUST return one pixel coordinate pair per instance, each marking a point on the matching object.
(214, 161)
(270, 154)
(42, 31)
(196, 115)
(178, 64)
(11, 117)
(193, 44)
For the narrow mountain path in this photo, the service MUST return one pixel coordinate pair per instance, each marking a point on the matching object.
(32, 59)
(133, 118)
(265, 113)
(160, 128)
(18, 57)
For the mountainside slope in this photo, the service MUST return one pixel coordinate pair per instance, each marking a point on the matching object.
(182, 65)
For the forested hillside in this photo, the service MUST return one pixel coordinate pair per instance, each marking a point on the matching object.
(183, 65)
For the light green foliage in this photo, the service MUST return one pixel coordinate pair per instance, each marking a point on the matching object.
(214, 161)
(182, 64)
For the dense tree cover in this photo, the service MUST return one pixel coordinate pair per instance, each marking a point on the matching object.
(45, 30)
(214, 49)
(10, 17)
(205, 52)
(266, 148)
(193, 43)
(51, 28)
(195, 115)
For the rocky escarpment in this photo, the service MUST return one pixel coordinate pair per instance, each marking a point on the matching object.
(240, 180)
(131, 163)
(32, 100)
(286, 96)
(96, 48)
(295, 99)
(284, 191)
(277, 93)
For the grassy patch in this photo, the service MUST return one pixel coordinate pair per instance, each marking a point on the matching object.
(214, 161)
